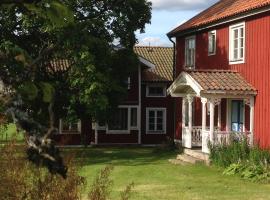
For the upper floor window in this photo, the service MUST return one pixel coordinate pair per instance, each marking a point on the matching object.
(212, 38)
(190, 46)
(237, 44)
(155, 91)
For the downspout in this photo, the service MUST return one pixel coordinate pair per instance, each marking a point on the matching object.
(174, 77)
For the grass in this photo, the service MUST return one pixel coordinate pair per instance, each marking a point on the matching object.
(10, 133)
(155, 178)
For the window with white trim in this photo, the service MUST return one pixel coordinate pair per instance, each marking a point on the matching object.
(69, 126)
(237, 43)
(124, 119)
(156, 120)
(156, 91)
(212, 38)
(190, 46)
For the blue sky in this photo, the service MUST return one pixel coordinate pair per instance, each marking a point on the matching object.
(168, 14)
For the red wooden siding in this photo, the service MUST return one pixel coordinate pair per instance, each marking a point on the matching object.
(163, 102)
(256, 68)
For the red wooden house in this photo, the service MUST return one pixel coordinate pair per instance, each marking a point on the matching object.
(223, 73)
(145, 117)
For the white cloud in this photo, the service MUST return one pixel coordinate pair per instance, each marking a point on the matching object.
(154, 41)
(177, 5)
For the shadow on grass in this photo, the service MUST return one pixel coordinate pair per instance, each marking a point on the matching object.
(121, 156)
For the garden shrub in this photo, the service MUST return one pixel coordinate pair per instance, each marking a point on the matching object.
(20, 179)
(239, 158)
(101, 186)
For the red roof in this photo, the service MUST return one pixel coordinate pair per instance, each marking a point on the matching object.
(219, 11)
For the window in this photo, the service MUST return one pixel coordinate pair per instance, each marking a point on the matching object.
(69, 126)
(133, 117)
(156, 91)
(212, 43)
(119, 120)
(128, 83)
(190, 46)
(123, 120)
(237, 44)
(156, 120)
(237, 115)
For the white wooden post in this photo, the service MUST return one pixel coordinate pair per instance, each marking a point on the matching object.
(183, 113)
(205, 148)
(204, 102)
(252, 121)
(184, 134)
(190, 113)
(212, 120)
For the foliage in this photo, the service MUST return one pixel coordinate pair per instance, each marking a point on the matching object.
(21, 180)
(250, 163)
(101, 187)
(224, 155)
(60, 57)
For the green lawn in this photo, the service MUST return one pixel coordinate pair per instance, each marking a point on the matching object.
(10, 133)
(155, 178)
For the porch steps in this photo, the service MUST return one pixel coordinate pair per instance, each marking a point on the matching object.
(193, 157)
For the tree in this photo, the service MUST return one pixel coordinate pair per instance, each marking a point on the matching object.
(59, 57)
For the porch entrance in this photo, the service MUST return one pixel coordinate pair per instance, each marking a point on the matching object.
(213, 107)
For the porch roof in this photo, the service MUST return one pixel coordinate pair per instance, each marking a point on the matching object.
(211, 82)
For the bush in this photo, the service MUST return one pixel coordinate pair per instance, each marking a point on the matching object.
(100, 189)
(20, 179)
(239, 158)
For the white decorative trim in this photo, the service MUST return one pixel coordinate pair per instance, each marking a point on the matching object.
(140, 105)
(156, 85)
(231, 40)
(147, 62)
(184, 79)
(164, 110)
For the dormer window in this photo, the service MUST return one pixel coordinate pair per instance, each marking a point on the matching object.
(190, 46)
(212, 38)
(237, 44)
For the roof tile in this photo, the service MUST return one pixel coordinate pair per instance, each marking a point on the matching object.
(221, 10)
(221, 80)
(162, 58)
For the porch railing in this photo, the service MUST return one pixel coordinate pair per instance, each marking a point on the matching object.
(196, 136)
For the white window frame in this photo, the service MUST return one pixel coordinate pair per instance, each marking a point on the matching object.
(164, 110)
(214, 32)
(130, 128)
(79, 127)
(156, 85)
(193, 37)
(232, 60)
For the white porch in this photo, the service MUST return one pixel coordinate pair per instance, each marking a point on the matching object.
(206, 100)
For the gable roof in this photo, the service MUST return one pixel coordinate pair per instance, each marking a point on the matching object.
(212, 82)
(220, 11)
(161, 58)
